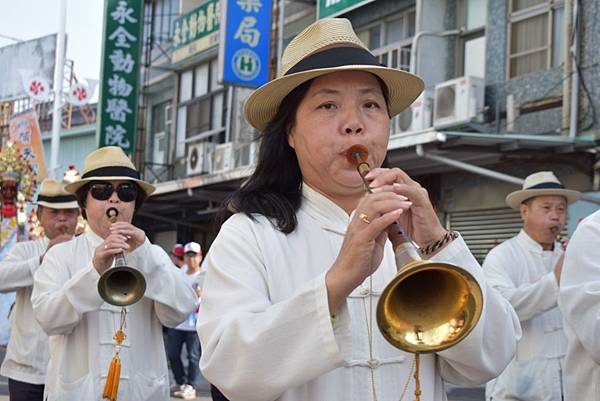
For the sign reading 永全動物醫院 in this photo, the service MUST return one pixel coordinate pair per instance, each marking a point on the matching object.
(120, 73)
(196, 30)
(333, 8)
(245, 42)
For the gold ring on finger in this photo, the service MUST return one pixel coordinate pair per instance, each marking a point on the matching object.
(364, 218)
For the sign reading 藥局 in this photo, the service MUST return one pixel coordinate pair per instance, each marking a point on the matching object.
(120, 73)
(245, 42)
(196, 31)
(333, 8)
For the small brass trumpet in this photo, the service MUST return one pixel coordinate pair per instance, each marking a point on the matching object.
(557, 235)
(121, 285)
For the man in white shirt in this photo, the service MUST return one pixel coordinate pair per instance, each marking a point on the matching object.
(69, 308)
(27, 354)
(526, 270)
(579, 301)
(185, 333)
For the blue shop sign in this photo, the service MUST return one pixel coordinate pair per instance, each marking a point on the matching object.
(245, 42)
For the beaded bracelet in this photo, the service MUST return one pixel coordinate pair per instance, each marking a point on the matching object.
(434, 246)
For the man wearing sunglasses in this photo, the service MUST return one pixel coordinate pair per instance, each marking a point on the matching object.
(67, 305)
(27, 354)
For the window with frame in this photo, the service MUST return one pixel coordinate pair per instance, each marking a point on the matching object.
(160, 132)
(535, 39)
(390, 39)
(470, 44)
(201, 109)
(165, 12)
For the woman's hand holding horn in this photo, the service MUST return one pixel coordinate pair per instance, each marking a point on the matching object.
(421, 221)
(362, 250)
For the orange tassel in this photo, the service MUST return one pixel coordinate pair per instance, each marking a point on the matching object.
(111, 388)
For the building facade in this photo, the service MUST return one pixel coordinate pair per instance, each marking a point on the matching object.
(499, 78)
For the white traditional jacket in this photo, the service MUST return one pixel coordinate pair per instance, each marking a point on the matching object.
(579, 301)
(267, 334)
(524, 274)
(27, 353)
(67, 305)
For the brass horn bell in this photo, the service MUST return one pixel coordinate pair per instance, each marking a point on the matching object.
(121, 285)
(429, 306)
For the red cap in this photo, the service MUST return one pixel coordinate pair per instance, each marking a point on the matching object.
(178, 250)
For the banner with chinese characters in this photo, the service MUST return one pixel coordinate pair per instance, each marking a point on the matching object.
(333, 8)
(196, 31)
(24, 133)
(120, 73)
(245, 42)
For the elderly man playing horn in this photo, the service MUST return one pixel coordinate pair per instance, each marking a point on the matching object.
(27, 354)
(294, 276)
(526, 270)
(67, 304)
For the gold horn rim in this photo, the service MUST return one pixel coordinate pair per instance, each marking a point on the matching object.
(429, 306)
(121, 286)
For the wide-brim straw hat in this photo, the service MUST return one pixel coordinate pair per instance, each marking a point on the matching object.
(109, 163)
(53, 195)
(539, 184)
(326, 46)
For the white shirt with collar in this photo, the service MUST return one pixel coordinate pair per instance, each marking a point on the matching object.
(67, 305)
(579, 301)
(524, 274)
(27, 353)
(266, 332)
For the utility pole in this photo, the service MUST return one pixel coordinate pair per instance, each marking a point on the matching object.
(58, 81)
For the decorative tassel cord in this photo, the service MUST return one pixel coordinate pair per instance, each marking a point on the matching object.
(371, 336)
(111, 387)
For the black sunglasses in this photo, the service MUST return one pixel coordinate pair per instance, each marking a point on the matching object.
(127, 192)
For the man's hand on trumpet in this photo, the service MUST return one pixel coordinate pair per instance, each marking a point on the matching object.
(108, 249)
(135, 236)
(123, 237)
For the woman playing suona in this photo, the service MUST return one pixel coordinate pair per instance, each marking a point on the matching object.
(295, 273)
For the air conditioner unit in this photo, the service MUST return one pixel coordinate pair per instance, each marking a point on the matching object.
(222, 158)
(245, 154)
(197, 158)
(417, 117)
(458, 101)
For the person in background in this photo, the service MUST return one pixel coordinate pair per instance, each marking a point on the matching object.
(526, 270)
(185, 333)
(67, 305)
(177, 254)
(579, 301)
(27, 355)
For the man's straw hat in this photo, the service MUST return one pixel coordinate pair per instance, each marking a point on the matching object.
(538, 184)
(326, 46)
(107, 164)
(53, 195)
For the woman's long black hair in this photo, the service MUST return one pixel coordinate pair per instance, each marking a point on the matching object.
(274, 189)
